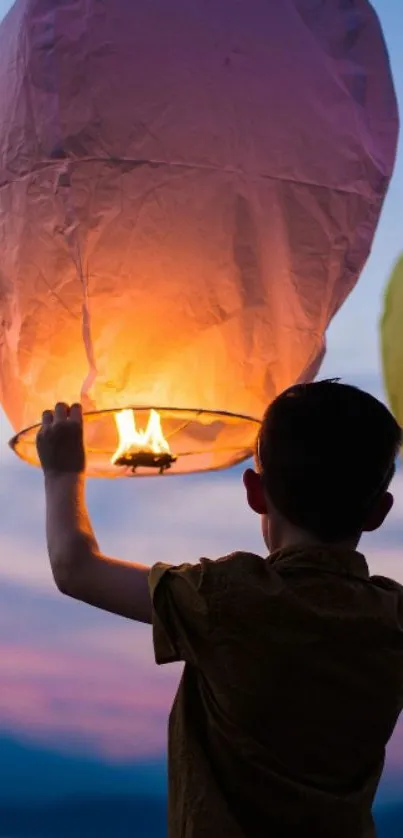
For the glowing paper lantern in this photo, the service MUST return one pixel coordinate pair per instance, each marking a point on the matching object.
(189, 191)
(392, 341)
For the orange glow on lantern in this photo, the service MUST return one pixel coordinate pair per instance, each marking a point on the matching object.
(174, 264)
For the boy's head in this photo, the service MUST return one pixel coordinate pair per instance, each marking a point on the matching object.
(325, 456)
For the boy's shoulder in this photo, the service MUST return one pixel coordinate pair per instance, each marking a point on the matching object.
(237, 565)
(232, 572)
(238, 559)
(242, 565)
(387, 584)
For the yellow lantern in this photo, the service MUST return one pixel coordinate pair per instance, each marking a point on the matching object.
(392, 341)
(188, 193)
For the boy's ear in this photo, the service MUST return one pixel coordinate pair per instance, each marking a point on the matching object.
(255, 491)
(379, 513)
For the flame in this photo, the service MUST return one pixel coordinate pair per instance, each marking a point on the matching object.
(132, 440)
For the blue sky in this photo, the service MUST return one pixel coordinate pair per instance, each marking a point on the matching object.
(81, 682)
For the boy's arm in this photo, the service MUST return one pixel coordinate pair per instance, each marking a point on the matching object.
(79, 568)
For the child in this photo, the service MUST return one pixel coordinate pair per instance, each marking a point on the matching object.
(293, 677)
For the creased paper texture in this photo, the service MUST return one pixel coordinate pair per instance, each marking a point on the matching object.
(189, 191)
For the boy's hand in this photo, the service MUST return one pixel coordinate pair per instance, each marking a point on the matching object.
(60, 441)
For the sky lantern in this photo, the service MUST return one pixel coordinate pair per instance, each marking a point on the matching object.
(392, 341)
(188, 193)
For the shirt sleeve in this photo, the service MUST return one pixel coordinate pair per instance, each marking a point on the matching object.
(181, 614)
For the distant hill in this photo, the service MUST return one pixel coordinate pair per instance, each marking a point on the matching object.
(389, 821)
(116, 817)
(31, 773)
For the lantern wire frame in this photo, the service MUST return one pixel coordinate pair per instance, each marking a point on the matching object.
(199, 440)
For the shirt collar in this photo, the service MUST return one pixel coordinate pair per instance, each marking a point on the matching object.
(334, 559)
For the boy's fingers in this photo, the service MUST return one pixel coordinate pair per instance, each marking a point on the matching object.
(61, 412)
(47, 418)
(76, 413)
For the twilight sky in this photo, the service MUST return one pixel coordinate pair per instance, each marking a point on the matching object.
(80, 681)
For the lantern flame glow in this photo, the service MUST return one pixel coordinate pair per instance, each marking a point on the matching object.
(132, 440)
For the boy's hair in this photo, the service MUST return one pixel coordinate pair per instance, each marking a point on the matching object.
(326, 452)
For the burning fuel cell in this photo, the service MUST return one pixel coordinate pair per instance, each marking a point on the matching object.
(174, 248)
(147, 449)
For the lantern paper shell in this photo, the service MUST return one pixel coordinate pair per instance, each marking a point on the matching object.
(189, 191)
(392, 341)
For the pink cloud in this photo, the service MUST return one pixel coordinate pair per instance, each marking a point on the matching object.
(85, 698)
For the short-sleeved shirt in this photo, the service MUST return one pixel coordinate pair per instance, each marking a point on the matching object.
(292, 686)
